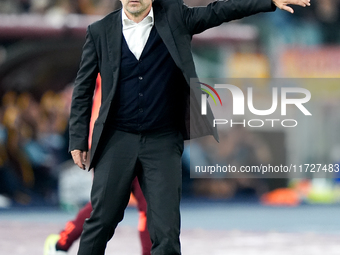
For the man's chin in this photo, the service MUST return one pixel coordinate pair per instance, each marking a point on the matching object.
(134, 8)
(135, 11)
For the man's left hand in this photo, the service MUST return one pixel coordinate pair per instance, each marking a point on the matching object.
(283, 4)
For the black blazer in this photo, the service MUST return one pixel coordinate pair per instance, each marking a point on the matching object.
(176, 23)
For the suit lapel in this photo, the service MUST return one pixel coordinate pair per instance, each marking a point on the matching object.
(114, 44)
(114, 39)
(164, 31)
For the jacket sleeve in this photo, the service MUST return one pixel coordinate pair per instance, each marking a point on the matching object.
(82, 96)
(198, 19)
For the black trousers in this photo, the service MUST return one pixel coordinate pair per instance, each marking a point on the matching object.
(155, 158)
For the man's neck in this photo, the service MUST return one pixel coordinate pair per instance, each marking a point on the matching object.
(137, 18)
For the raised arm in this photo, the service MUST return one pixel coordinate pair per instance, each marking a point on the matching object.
(198, 19)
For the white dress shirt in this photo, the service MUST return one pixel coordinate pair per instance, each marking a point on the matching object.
(136, 34)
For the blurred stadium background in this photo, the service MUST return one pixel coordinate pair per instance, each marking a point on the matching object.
(40, 47)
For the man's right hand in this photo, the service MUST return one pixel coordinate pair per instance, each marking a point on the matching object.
(79, 158)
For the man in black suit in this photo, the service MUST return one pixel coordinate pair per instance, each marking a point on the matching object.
(143, 53)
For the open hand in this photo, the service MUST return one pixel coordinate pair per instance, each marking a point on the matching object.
(283, 4)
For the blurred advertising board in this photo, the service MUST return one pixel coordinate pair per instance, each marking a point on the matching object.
(251, 65)
(313, 62)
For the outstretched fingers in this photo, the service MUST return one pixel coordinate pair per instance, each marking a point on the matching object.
(303, 3)
(284, 4)
(287, 8)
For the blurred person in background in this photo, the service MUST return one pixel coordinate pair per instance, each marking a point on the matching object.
(327, 13)
(33, 145)
(159, 56)
(324, 17)
(16, 158)
(10, 184)
(39, 159)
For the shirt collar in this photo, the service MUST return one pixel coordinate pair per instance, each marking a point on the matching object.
(127, 22)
